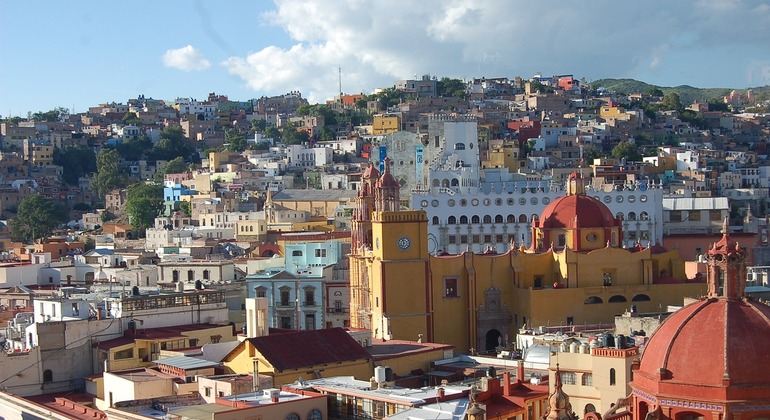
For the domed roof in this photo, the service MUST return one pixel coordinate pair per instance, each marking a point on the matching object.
(719, 343)
(716, 347)
(576, 211)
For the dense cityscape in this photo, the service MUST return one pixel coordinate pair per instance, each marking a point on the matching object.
(485, 248)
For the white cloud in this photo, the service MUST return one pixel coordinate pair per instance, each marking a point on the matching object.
(378, 42)
(186, 58)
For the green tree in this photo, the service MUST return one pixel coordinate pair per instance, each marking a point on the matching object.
(172, 144)
(75, 161)
(108, 175)
(143, 204)
(174, 166)
(272, 132)
(626, 150)
(36, 217)
(671, 102)
(447, 87)
(717, 105)
(131, 119)
(655, 92)
(50, 116)
(185, 208)
(236, 141)
(134, 148)
(291, 135)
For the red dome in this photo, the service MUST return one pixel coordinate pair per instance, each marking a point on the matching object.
(590, 212)
(716, 348)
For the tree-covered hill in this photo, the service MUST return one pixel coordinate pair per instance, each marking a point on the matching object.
(686, 93)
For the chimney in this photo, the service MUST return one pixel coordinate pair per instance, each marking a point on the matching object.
(520, 372)
(441, 394)
(507, 384)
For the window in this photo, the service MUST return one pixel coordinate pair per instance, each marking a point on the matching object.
(694, 215)
(538, 282)
(124, 354)
(296, 253)
(593, 300)
(292, 416)
(205, 274)
(309, 321)
(475, 239)
(617, 299)
(463, 220)
(190, 275)
(675, 216)
(260, 291)
(285, 296)
(207, 391)
(450, 287)
(452, 220)
(475, 220)
(715, 215)
(568, 378)
(310, 296)
(175, 275)
(452, 239)
(587, 380)
(286, 322)
(48, 375)
(487, 219)
(499, 218)
(463, 239)
(435, 220)
(315, 414)
(612, 376)
(640, 298)
(320, 253)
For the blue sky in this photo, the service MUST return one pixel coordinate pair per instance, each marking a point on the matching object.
(82, 53)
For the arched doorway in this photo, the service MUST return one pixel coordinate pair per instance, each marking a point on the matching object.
(492, 339)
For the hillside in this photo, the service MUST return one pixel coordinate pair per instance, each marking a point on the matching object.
(687, 94)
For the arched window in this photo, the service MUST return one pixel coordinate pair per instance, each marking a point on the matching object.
(620, 216)
(260, 291)
(587, 380)
(511, 219)
(617, 299)
(435, 220)
(487, 219)
(640, 298)
(593, 300)
(631, 216)
(455, 182)
(499, 218)
(460, 146)
(206, 274)
(475, 219)
(522, 218)
(612, 376)
(48, 375)
(644, 216)
(436, 183)
(296, 253)
(568, 378)
(452, 220)
(463, 220)
(315, 414)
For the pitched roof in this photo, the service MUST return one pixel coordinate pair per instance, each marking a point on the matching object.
(300, 349)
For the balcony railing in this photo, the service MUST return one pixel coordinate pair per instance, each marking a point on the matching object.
(337, 310)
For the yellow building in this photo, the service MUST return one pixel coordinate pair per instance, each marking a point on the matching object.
(288, 356)
(504, 155)
(385, 124)
(575, 273)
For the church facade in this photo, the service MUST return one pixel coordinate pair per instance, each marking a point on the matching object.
(575, 272)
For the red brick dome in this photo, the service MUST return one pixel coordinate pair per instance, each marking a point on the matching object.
(588, 211)
(714, 349)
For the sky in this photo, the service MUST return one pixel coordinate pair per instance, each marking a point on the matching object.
(83, 53)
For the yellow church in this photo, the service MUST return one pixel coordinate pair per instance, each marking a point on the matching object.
(574, 273)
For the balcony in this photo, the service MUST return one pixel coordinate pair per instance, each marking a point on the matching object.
(285, 304)
(337, 310)
(309, 303)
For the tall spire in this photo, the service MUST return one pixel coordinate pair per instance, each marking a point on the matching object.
(559, 407)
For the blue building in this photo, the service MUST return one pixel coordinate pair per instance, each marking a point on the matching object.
(310, 284)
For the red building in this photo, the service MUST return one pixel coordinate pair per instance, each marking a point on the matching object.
(710, 359)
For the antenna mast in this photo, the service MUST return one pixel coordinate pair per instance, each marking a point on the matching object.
(339, 71)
